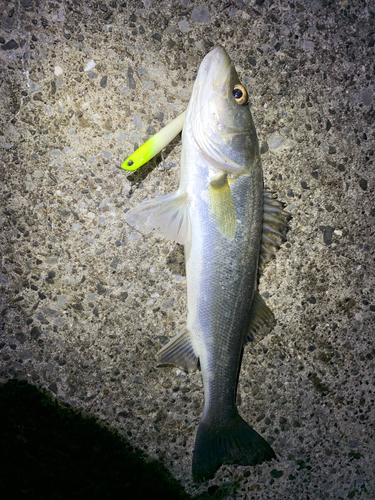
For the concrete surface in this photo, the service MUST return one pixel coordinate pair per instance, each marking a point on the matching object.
(87, 301)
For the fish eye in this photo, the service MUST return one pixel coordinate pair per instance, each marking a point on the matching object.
(240, 94)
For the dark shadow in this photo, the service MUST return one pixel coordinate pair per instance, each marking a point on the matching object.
(52, 452)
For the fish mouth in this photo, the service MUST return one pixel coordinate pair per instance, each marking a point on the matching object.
(215, 69)
(213, 113)
(218, 55)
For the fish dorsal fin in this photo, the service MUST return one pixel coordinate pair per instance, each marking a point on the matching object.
(222, 206)
(179, 352)
(168, 213)
(274, 227)
(262, 319)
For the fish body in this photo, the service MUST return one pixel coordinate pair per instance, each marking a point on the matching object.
(218, 214)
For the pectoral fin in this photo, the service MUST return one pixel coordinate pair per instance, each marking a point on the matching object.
(179, 352)
(168, 213)
(222, 206)
(261, 320)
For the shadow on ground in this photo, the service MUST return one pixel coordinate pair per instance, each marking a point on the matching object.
(54, 452)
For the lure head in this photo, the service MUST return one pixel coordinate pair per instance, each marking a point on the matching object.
(220, 118)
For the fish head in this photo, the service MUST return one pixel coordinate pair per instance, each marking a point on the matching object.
(221, 124)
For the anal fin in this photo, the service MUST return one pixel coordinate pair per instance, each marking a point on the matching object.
(261, 320)
(179, 351)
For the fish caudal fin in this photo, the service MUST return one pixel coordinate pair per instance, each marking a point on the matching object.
(235, 443)
(168, 213)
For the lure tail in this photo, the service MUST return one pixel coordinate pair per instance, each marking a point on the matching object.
(235, 443)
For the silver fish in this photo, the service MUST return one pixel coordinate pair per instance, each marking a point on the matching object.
(227, 224)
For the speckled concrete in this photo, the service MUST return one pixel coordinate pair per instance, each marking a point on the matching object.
(86, 301)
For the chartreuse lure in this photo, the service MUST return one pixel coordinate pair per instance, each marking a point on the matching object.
(155, 144)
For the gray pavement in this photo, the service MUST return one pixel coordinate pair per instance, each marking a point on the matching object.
(86, 301)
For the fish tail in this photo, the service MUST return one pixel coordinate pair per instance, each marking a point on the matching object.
(234, 443)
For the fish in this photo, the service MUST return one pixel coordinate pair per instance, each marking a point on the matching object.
(229, 226)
